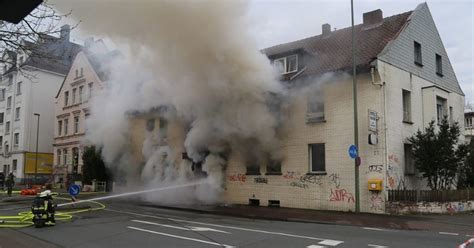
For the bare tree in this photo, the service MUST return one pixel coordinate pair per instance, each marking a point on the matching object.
(28, 36)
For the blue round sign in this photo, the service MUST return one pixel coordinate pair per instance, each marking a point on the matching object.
(74, 189)
(353, 153)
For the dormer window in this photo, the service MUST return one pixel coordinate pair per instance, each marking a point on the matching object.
(287, 64)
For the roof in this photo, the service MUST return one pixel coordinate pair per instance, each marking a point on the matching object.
(100, 62)
(51, 54)
(332, 52)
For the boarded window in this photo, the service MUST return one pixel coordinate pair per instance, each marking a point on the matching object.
(317, 157)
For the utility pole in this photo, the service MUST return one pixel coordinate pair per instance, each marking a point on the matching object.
(356, 126)
(37, 137)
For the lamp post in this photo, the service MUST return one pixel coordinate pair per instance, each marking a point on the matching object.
(356, 126)
(37, 138)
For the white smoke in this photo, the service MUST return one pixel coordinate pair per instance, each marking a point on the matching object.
(195, 57)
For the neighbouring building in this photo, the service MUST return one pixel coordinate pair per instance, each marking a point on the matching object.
(72, 107)
(469, 128)
(404, 81)
(27, 88)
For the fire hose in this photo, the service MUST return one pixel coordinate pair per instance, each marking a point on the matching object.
(25, 219)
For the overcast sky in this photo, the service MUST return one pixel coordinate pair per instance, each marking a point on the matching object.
(279, 21)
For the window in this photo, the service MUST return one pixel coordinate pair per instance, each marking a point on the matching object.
(406, 98)
(439, 65)
(15, 164)
(150, 125)
(274, 167)
(2, 118)
(81, 88)
(1, 142)
(74, 96)
(66, 98)
(9, 102)
(66, 124)
(163, 129)
(468, 122)
(287, 64)
(16, 139)
(409, 164)
(81, 74)
(60, 128)
(7, 127)
(418, 58)
(10, 80)
(90, 90)
(317, 157)
(76, 124)
(77, 73)
(7, 148)
(17, 113)
(315, 108)
(451, 116)
(253, 169)
(18, 88)
(2, 95)
(58, 162)
(64, 156)
(440, 109)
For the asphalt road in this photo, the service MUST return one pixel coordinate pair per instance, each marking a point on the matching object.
(124, 224)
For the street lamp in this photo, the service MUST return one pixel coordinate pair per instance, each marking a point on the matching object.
(37, 138)
(356, 126)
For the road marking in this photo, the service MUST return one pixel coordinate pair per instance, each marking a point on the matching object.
(448, 233)
(315, 246)
(330, 242)
(221, 226)
(180, 237)
(375, 229)
(187, 228)
(377, 246)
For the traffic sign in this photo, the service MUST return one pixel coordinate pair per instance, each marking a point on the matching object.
(353, 153)
(74, 189)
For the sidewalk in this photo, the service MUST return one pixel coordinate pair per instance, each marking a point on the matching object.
(458, 223)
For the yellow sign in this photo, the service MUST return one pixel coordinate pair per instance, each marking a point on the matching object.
(45, 163)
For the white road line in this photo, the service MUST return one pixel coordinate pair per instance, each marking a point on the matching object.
(187, 228)
(315, 246)
(377, 246)
(222, 226)
(448, 233)
(330, 242)
(374, 229)
(179, 237)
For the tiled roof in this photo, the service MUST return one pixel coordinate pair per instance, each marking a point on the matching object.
(332, 52)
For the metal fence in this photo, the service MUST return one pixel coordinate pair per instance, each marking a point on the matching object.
(430, 195)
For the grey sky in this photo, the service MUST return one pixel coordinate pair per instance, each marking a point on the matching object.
(279, 21)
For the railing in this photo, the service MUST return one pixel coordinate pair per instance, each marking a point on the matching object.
(430, 195)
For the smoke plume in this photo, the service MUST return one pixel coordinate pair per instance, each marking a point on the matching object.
(197, 59)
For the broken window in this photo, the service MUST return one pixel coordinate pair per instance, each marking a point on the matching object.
(253, 169)
(317, 157)
(287, 64)
(274, 167)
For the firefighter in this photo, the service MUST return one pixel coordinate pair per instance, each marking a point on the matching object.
(10, 183)
(48, 206)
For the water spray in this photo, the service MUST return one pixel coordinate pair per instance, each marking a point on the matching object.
(135, 193)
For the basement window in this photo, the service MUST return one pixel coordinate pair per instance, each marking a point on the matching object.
(287, 64)
(274, 203)
(254, 202)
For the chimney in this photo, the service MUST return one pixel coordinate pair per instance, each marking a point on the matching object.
(326, 29)
(65, 32)
(373, 17)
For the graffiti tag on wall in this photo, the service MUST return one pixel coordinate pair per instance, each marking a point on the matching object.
(261, 180)
(341, 195)
(237, 178)
(376, 202)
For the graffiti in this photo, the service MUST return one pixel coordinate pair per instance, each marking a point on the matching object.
(428, 207)
(341, 195)
(260, 180)
(290, 175)
(299, 185)
(394, 158)
(451, 208)
(376, 202)
(335, 179)
(313, 179)
(391, 182)
(237, 178)
(377, 168)
(393, 177)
